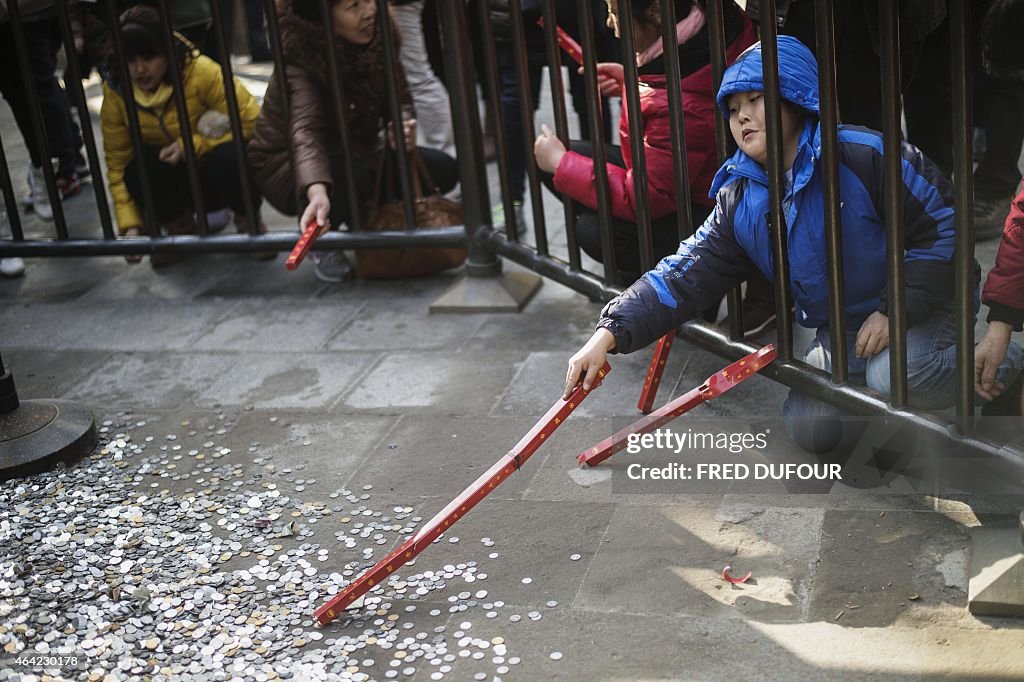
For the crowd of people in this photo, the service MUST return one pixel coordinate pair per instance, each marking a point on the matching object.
(295, 143)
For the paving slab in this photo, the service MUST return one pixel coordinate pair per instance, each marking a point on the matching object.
(880, 568)
(49, 374)
(243, 277)
(669, 559)
(404, 324)
(544, 326)
(468, 383)
(147, 327)
(58, 279)
(439, 456)
(181, 282)
(134, 381)
(286, 380)
(257, 326)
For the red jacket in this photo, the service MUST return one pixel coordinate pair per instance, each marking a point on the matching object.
(575, 173)
(1004, 288)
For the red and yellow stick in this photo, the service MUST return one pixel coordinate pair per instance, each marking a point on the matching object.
(303, 245)
(566, 42)
(654, 373)
(457, 508)
(716, 385)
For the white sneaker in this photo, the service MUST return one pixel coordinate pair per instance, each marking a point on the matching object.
(9, 267)
(40, 198)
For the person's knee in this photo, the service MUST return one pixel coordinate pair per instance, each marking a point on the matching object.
(812, 424)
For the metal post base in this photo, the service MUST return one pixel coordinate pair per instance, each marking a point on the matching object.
(996, 585)
(40, 433)
(506, 293)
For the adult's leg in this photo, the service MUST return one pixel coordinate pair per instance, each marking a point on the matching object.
(169, 185)
(443, 169)
(511, 111)
(259, 46)
(433, 110)
(931, 364)
(928, 100)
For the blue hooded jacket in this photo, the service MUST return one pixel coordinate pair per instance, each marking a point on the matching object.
(735, 241)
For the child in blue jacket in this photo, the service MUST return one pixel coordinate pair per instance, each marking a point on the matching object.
(735, 242)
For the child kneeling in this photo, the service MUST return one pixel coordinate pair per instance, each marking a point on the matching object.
(735, 242)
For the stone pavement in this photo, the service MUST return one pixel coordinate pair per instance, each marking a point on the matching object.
(235, 396)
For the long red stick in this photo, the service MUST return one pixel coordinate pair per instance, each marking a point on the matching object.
(654, 373)
(566, 42)
(716, 385)
(458, 507)
(303, 245)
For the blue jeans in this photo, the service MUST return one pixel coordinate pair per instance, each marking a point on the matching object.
(931, 379)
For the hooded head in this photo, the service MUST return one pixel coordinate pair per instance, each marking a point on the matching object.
(798, 75)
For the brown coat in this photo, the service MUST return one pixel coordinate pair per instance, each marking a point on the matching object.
(312, 126)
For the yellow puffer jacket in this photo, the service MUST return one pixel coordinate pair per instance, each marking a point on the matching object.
(204, 90)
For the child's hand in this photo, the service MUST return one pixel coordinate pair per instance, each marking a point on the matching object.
(873, 336)
(610, 78)
(548, 150)
(173, 154)
(588, 361)
(987, 357)
(319, 208)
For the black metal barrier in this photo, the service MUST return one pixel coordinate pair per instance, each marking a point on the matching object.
(487, 241)
(65, 244)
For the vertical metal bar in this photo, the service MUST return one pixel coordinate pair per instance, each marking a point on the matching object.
(10, 199)
(604, 217)
(483, 261)
(184, 125)
(776, 179)
(234, 115)
(392, 67)
(526, 105)
(38, 129)
(338, 100)
(829, 111)
(960, 25)
(281, 80)
(74, 84)
(561, 124)
(677, 122)
(893, 150)
(133, 117)
(716, 40)
(636, 135)
(493, 84)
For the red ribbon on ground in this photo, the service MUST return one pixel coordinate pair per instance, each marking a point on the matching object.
(457, 508)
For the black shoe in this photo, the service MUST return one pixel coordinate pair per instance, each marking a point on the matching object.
(758, 316)
(990, 213)
(1009, 403)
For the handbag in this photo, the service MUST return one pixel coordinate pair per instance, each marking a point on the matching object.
(432, 210)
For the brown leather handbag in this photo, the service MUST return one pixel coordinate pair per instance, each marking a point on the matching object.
(432, 210)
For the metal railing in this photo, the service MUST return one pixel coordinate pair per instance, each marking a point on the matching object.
(63, 243)
(486, 241)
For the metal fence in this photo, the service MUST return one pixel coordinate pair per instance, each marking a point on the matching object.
(487, 242)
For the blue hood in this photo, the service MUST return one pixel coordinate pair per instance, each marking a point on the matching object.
(798, 75)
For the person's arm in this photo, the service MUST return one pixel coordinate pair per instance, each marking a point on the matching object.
(117, 148)
(309, 125)
(707, 265)
(1004, 287)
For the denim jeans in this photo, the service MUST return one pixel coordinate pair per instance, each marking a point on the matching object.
(931, 379)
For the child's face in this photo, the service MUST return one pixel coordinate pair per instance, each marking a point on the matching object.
(747, 123)
(147, 72)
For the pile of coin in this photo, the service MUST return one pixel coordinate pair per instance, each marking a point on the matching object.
(156, 557)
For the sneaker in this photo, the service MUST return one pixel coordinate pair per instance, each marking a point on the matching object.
(39, 198)
(990, 215)
(332, 266)
(82, 169)
(69, 187)
(498, 215)
(218, 220)
(12, 267)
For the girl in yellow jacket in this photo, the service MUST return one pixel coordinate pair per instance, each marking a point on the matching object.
(163, 151)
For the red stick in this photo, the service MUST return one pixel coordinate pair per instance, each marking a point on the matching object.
(457, 508)
(716, 385)
(654, 373)
(303, 245)
(566, 42)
